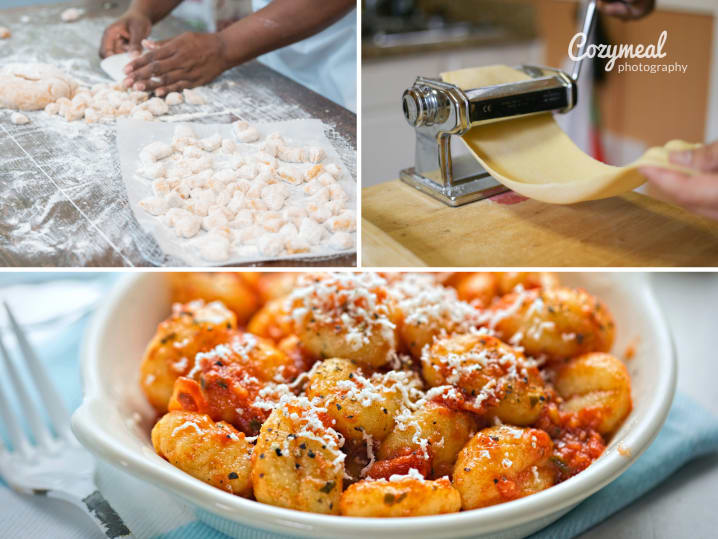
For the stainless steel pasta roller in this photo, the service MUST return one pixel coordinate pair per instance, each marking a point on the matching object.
(438, 111)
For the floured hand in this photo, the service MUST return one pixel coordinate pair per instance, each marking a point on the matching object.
(188, 60)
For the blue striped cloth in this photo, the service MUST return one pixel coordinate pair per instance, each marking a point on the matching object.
(690, 432)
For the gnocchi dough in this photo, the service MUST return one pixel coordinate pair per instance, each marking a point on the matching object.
(33, 86)
(534, 157)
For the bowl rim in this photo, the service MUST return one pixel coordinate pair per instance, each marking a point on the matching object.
(256, 514)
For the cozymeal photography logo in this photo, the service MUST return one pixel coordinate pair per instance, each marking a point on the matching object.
(617, 55)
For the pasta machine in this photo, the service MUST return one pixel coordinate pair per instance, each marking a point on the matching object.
(438, 111)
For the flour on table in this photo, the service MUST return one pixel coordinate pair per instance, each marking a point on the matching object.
(72, 14)
(240, 199)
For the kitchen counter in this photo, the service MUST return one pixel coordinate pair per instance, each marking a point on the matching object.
(509, 230)
(63, 201)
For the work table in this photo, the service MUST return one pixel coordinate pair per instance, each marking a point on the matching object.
(408, 228)
(63, 200)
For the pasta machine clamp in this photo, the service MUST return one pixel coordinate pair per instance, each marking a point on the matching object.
(438, 111)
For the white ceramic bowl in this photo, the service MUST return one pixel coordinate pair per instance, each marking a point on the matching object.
(114, 421)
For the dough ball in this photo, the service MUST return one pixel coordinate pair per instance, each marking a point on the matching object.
(154, 170)
(19, 119)
(242, 219)
(91, 116)
(193, 97)
(247, 172)
(313, 172)
(216, 218)
(344, 221)
(174, 215)
(270, 244)
(154, 205)
(52, 108)
(294, 214)
(155, 151)
(314, 154)
(145, 115)
(4, 32)
(334, 170)
(214, 247)
(290, 174)
(296, 245)
(71, 15)
(326, 179)
(229, 146)
(311, 231)
(211, 143)
(244, 132)
(312, 187)
(156, 106)
(341, 241)
(187, 226)
(336, 192)
(291, 154)
(274, 196)
(174, 98)
(336, 206)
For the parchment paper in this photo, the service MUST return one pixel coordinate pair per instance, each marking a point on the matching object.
(133, 135)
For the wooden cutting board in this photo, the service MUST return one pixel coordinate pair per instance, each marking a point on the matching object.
(508, 230)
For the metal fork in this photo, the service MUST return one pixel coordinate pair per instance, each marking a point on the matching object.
(56, 465)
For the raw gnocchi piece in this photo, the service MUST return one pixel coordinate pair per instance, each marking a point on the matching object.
(52, 108)
(156, 106)
(211, 143)
(174, 98)
(145, 115)
(314, 154)
(270, 244)
(155, 151)
(193, 97)
(334, 170)
(341, 241)
(154, 205)
(244, 132)
(214, 247)
(291, 154)
(290, 175)
(311, 231)
(188, 226)
(274, 196)
(345, 221)
(313, 172)
(229, 146)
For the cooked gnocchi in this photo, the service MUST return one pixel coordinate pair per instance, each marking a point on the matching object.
(383, 395)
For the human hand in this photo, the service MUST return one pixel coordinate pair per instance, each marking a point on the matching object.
(697, 193)
(626, 9)
(125, 34)
(188, 60)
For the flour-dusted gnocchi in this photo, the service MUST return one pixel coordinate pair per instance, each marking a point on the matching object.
(174, 98)
(238, 188)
